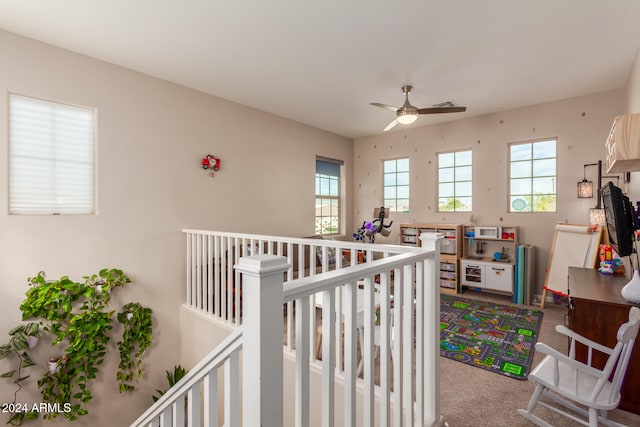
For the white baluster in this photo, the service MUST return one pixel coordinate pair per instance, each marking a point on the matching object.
(193, 404)
(177, 410)
(328, 358)
(216, 278)
(367, 353)
(407, 342)
(232, 390)
(398, 347)
(211, 399)
(350, 353)
(302, 362)
(385, 342)
(189, 270)
(420, 326)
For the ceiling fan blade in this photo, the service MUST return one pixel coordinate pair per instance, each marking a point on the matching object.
(390, 125)
(388, 107)
(438, 110)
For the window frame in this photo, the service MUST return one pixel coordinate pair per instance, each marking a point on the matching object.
(532, 176)
(396, 185)
(330, 197)
(455, 181)
(45, 205)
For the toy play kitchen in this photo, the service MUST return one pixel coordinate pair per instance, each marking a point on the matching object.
(488, 259)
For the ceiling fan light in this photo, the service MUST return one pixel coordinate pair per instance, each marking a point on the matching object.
(407, 118)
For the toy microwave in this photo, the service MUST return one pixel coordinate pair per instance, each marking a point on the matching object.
(486, 232)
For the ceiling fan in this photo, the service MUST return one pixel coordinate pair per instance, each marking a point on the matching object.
(408, 114)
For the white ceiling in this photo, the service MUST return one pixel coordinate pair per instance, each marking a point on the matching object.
(322, 62)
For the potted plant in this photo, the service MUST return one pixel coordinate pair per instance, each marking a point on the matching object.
(172, 378)
(79, 318)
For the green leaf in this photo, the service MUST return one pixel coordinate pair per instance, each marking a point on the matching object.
(19, 344)
(15, 330)
(16, 418)
(5, 350)
(8, 374)
(19, 380)
(26, 360)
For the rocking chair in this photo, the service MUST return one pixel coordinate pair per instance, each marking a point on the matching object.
(571, 383)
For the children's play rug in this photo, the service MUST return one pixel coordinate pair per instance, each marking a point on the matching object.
(499, 338)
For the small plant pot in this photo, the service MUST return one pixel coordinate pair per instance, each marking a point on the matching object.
(54, 364)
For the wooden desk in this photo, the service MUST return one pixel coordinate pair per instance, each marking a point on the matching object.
(598, 309)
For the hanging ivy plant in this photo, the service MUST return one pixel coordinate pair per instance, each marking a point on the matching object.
(136, 338)
(22, 338)
(79, 318)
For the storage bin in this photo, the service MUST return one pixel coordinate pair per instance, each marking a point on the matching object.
(448, 246)
(409, 239)
(447, 284)
(447, 275)
(447, 266)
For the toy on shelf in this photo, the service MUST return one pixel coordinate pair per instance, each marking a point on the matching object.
(369, 229)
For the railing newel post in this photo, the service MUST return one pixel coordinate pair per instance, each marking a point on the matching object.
(432, 416)
(262, 300)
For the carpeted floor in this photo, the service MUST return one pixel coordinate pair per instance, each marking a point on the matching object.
(472, 397)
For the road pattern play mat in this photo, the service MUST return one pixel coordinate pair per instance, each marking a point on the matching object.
(499, 338)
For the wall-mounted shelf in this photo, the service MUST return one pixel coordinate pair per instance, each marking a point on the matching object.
(623, 145)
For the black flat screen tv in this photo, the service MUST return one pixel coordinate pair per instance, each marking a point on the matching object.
(620, 223)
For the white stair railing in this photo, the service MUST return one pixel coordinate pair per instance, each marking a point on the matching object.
(412, 398)
(400, 286)
(193, 401)
(214, 287)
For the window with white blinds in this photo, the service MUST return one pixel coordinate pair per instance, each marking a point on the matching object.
(51, 157)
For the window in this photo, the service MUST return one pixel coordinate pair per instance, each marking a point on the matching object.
(327, 196)
(396, 185)
(532, 183)
(51, 157)
(454, 181)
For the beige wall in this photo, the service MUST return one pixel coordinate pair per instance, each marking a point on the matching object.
(581, 126)
(633, 88)
(632, 96)
(151, 137)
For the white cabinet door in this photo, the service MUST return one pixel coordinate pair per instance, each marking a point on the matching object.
(499, 277)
